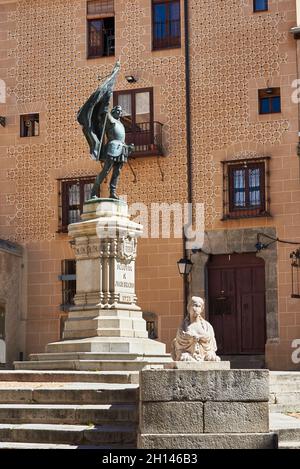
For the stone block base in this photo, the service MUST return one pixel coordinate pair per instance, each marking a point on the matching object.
(208, 441)
(204, 408)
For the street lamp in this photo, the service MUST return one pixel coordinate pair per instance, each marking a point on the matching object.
(184, 266)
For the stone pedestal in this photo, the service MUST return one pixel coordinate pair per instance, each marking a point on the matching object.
(207, 409)
(105, 329)
(105, 243)
(106, 310)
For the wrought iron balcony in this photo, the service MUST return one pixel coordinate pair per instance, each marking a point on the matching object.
(147, 138)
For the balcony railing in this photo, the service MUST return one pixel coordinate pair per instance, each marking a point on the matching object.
(147, 139)
(166, 34)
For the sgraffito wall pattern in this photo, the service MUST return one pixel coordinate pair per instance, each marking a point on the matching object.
(234, 52)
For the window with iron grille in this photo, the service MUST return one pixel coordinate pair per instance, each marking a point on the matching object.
(100, 28)
(68, 279)
(73, 194)
(29, 125)
(141, 129)
(246, 188)
(151, 324)
(166, 32)
(260, 5)
(269, 101)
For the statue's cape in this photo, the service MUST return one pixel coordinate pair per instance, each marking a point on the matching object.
(92, 115)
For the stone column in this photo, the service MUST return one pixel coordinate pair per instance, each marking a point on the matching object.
(106, 316)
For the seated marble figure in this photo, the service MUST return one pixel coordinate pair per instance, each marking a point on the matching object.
(195, 339)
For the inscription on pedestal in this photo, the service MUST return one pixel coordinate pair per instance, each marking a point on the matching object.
(124, 277)
(125, 281)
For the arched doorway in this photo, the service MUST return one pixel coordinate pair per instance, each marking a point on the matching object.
(237, 303)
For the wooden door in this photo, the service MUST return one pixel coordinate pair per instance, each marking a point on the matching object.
(236, 291)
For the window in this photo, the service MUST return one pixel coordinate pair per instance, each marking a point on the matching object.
(151, 324)
(73, 192)
(100, 28)
(166, 24)
(269, 101)
(68, 278)
(246, 188)
(30, 125)
(137, 118)
(260, 5)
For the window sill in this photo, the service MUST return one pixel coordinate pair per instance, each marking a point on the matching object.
(156, 49)
(268, 113)
(99, 57)
(248, 215)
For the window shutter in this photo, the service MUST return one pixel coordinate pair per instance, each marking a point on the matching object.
(100, 7)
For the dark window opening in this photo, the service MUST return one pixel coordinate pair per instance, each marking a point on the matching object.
(100, 28)
(269, 101)
(260, 5)
(246, 188)
(141, 129)
(74, 193)
(30, 125)
(151, 324)
(166, 24)
(68, 278)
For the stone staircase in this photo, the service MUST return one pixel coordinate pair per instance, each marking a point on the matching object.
(68, 410)
(284, 391)
(287, 429)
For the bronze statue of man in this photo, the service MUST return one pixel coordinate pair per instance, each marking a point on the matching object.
(98, 125)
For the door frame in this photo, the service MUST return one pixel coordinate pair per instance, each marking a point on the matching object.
(239, 241)
(235, 265)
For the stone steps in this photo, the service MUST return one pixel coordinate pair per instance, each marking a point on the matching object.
(68, 393)
(289, 445)
(287, 429)
(94, 356)
(103, 332)
(89, 365)
(286, 401)
(285, 391)
(69, 434)
(118, 377)
(245, 361)
(139, 346)
(106, 323)
(284, 408)
(68, 414)
(16, 445)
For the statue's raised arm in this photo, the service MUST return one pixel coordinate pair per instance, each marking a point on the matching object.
(93, 114)
(97, 122)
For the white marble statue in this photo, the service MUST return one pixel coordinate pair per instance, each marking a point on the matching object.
(195, 339)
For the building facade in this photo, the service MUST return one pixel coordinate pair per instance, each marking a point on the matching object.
(209, 94)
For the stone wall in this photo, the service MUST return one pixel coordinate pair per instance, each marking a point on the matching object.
(13, 298)
(233, 53)
(212, 409)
